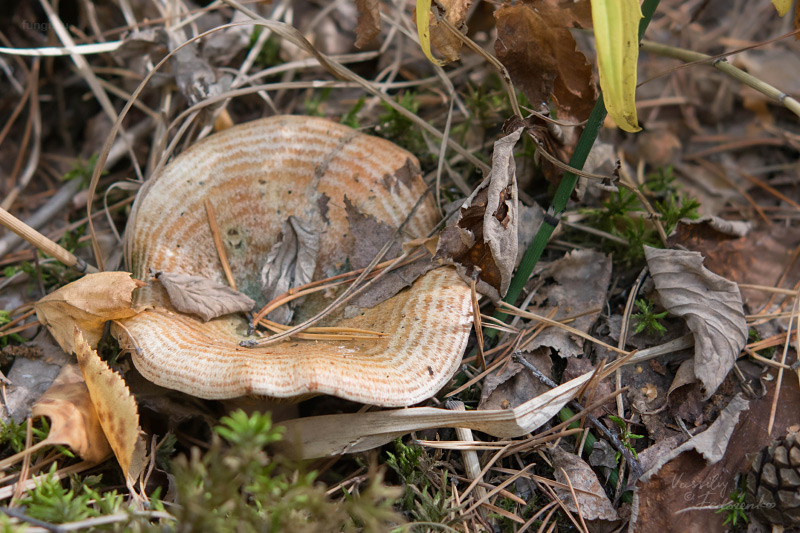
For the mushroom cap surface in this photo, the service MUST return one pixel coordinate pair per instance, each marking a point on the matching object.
(256, 175)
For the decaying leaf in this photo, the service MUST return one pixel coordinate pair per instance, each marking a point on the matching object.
(116, 408)
(73, 419)
(290, 263)
(593, 504)
(87, 303)
(581, 280)
(711, 443)
(370, 235)
(513, 385)
(483, 242)
(711, 305)
(455, 11)
(369, 21)
(538, 50)
(203, 297)
(732, 257)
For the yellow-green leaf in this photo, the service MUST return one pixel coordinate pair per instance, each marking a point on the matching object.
(616, 34)
(424, 30)
(782, 6)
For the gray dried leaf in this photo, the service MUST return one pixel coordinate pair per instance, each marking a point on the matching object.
(203, 297)
(483, 241)
(514, 385)
(593, 503)
(581, 280)
(712, 306)
(370, 234)
(290, 263)
(195, 77)
(711, 443)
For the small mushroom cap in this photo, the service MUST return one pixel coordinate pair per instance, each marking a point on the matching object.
(257, 175)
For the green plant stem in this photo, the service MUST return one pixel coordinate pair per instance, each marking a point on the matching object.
(722, 65)
(565, 188)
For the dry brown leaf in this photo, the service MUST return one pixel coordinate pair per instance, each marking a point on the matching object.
(455, 11)
(711, 305)
(116, 408)
(87, 303)
(369, 21)
(535, 45)
(593, 504)
(73, 419)
(290, 263)
(483, 241)
(513, 385)
(202, 296)
(370, 235)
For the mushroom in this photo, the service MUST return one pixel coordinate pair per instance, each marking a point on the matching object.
(257, 175)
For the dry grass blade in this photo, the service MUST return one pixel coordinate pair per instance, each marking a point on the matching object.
(778, 382)
(223, 257)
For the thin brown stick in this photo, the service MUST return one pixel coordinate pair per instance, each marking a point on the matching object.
(223, 257)
(476, 323)
(779, 381)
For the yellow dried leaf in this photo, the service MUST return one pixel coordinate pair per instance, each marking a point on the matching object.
(87, 303)
(116, 408)
(73, 419)
(423, 18)
(616, 34)
(782, 6)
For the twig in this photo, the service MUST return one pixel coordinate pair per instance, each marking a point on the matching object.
(471, 462)
(778, 381)
(721, 64)
(636, 468)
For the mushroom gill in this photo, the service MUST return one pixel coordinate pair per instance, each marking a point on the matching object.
(257, 175)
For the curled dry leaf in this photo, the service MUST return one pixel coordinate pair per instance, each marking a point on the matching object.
(369, 21)
(203, 297)
(711, 443)
(115, 406)
(535, 45)
(593, 504)
(455, 11)
(87, 303)
(711, 305)
(290, 263)
(73, 418)
(483, 240)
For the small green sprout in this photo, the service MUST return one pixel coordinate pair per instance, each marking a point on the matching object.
(734, 509)
(647, 319)
(625, 436)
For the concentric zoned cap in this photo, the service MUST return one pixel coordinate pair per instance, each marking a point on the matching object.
(256, 175)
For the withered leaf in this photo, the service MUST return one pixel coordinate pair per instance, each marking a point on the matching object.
(370, 235)
(483, 240)
(712, 306)
(290, 263)
(73, 418)
(455, 11)
(369, 21)
(203, 297)
(87, 303)
(535, 45)
(581, 279)
(115, 406)
(592, 500)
